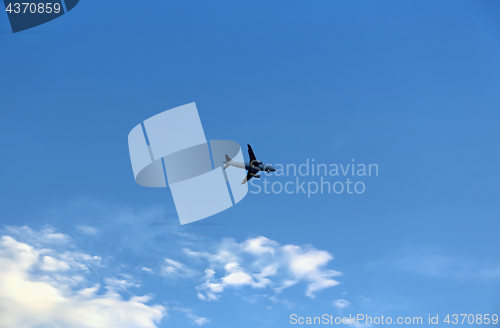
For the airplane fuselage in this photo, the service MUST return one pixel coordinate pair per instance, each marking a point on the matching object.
(252, 168)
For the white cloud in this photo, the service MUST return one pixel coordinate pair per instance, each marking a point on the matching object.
(41, 287)
(341, 304)
(115, 285)
(210, 289)
(200, 321)
(259, 245)
(237, 279)
(52, 264)
(44, 237)
(260, 263)
(235, 276)
(195, 320)
(126, 241)
(211, 297)
(307, 265)
(215, 288)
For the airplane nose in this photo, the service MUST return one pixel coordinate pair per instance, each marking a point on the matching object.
(269, 168)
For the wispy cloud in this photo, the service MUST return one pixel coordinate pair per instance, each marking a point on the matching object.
(433, 262)
(47, 236)
(258, 263)
(341, 304)
(87, 229)
(195, 320)
(173, 268)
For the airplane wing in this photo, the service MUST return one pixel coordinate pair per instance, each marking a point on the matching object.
(251, 155)
(248, 177)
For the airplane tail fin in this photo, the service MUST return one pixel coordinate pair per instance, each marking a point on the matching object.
(228, 160)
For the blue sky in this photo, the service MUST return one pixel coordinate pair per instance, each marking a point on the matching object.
(411, 86)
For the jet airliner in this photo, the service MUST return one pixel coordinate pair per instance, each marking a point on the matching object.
(253, 167)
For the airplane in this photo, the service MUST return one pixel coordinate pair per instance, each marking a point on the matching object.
(253, 167)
